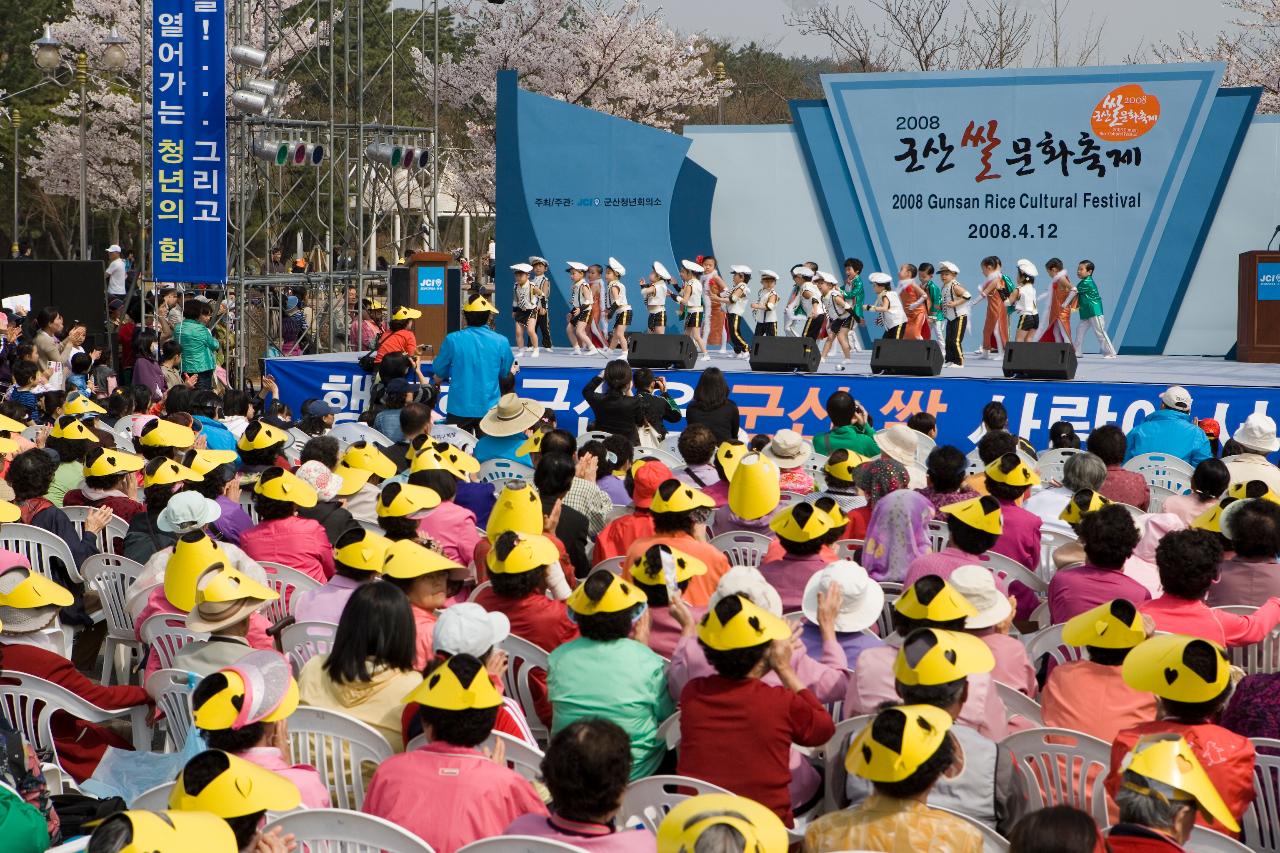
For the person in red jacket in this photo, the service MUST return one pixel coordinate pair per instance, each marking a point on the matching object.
(109, 481)
(641, 483)
(1191, 679)
(735, 730)
(29, 603)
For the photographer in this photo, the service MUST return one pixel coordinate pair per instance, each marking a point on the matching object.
(851, 428)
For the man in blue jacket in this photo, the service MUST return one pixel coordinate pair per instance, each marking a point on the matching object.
(1170, 430)
(474, 361)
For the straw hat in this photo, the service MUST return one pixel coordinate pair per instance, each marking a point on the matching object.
(788, 449)
(512, 415)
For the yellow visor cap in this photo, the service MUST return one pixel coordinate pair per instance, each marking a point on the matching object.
(801, 523)
(518, 508)
(366, 553)
(458, 459)
(8, 424)
(35, 591)
(99, 462)
(839, 521)
(1167, 759)
(408, 559)
(398, 500)
(158, 432)
(984, 515)
(202, 461)
(70, 428)
(193, 554)
(659, 562)
(932, 656)
(166, 472)
(258, 688)
(223, 583)
(431, 460)
(281, 485)
(924, 728)
(1103, 628)
(444, 689)
(353, 480)
(943, 607)
(1081, 504)
(1161, 665)
(1210, 520)
(1012, 471)
(619, 596)
(366, 456)
(729, 454)
(260, 436)
(8, 445)
(745, 624)
(82, 405)
(479, 303)
(675, 496)
(178, 832)
(529, 553)
(532, 444)
(241, 789)
(9, 512)
(761, 829)
(843, 469)
(754, 489)
(1253, 489)
(406, 313)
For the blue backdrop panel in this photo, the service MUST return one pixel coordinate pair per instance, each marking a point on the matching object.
(771, 401)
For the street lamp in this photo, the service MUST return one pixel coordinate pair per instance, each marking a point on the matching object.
(48, 51)
(113, 55)
(15, 118)
(720, 75)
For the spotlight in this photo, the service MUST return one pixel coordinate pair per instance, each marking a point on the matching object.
(251, 102)
(424, 158)
(248, 56)
(276, 153)
(385, 153)
(270, 88)
(410, 158)
(314, 155)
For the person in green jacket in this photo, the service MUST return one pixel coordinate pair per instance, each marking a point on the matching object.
(197, 342)
(851, 428)
(937, 317)
(854, 297)
(1089, 301)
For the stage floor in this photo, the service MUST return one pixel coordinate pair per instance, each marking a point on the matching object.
(1141, 369)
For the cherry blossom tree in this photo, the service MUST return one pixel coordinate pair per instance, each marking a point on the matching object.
(616, 58)
(1250, 50)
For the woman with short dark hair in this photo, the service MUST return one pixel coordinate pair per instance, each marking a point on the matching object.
(711, 405)
(617, 411)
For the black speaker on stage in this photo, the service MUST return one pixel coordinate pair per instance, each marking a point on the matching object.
(906, 358)
(400, 281)
(784, 355)
(1039, 361)
(664, 352)
(71, 285)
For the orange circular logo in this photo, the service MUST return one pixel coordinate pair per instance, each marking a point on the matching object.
(1126, 113)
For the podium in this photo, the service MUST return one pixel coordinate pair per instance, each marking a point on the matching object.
(429, 282)
(1258, 320)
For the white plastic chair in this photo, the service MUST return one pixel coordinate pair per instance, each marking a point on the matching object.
(302, 641)
(647, 801)
(339, 747)
(884, 622)
(671, 441)
(518, 844)
(1205, 840)
(520, 756)
(992, 841)
(1062, 767)
(1041, 616)
(1260, 657)
(166, 634)
(40, 547)
(1049, 642)
(523, 657)
(592, 435)
(847, 549)
(669, 731)
(29, 703)
(833, 754)
(1009, 569)
(346, 831)
(1261, 820)
(1161, 469)
(481, 587)
(939, 534)
(742, 547)
(154, 799)
(1051, 541)
(1017, 703)
(1051, 463)
(813, 467)
(613, 564)
(115, 529)
(666, 457)
(786, 499)
(111, 576)
(247, 503)
(349, 432)
(498, 470)
(1159, 494)
(285, 582)
(171, 690)
(455, 435)
(1137, 513)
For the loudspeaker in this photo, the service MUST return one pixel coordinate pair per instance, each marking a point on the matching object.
(906, 358)
(401, 284)
(70, 285)
(784, 355)
(1039, 361)
(661, 351)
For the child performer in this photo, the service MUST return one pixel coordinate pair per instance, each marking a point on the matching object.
(713, 318)
(838, 316)
(913, 301)
(1089, 301)
(524, 308)
(734, 298)
(580, 301)
(936, 318)
(854, 296)
(654, 291)
(1061, 289)
(888, 305)
(619, 307)
(690, 300)
(955, 305)
(811, 301)
(766, 309)
(541, 283)
(995, 328)
(599, 326)
(1023, 300)
(794, 310)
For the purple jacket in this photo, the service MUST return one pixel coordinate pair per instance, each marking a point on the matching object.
(1073, 591)
(789, 576)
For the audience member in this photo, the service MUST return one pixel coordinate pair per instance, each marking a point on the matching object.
(711, 405)
(1209, 483)
(851, 428)
(680, 516)
(1255, 438)
(1109, 537)
(1108, 443)
(974, 525)
(283, 536)
(992, 624)
(1081, 472)
(1170, 430)
(946, 469)
(357, 560)
(860, 604)
(667, 617)
(1250, 576)
(897, 535)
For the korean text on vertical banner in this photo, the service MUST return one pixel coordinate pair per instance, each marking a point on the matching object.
(189, 140)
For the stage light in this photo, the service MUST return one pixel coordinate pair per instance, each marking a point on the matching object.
(48, 51)
(410, 158)
(248, 56)
(314, 155)
(114, 57)
(424, 158)
(270, 88)
(272, 152)
(385, 153)
(252, 103)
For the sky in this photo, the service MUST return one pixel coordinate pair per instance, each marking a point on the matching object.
(1130, 25)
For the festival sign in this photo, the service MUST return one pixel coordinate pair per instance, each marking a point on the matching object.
(1076, 164)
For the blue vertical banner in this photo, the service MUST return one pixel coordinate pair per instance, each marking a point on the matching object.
(189, 140)
(430, 285)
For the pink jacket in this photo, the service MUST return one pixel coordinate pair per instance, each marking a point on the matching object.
(299, 543)
(454, 528)
(315, 793)
(1184, 616)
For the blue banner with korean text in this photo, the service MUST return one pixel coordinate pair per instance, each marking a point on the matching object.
(189, 140)
(769, 402)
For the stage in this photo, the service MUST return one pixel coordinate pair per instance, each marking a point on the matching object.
(1120, 390)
